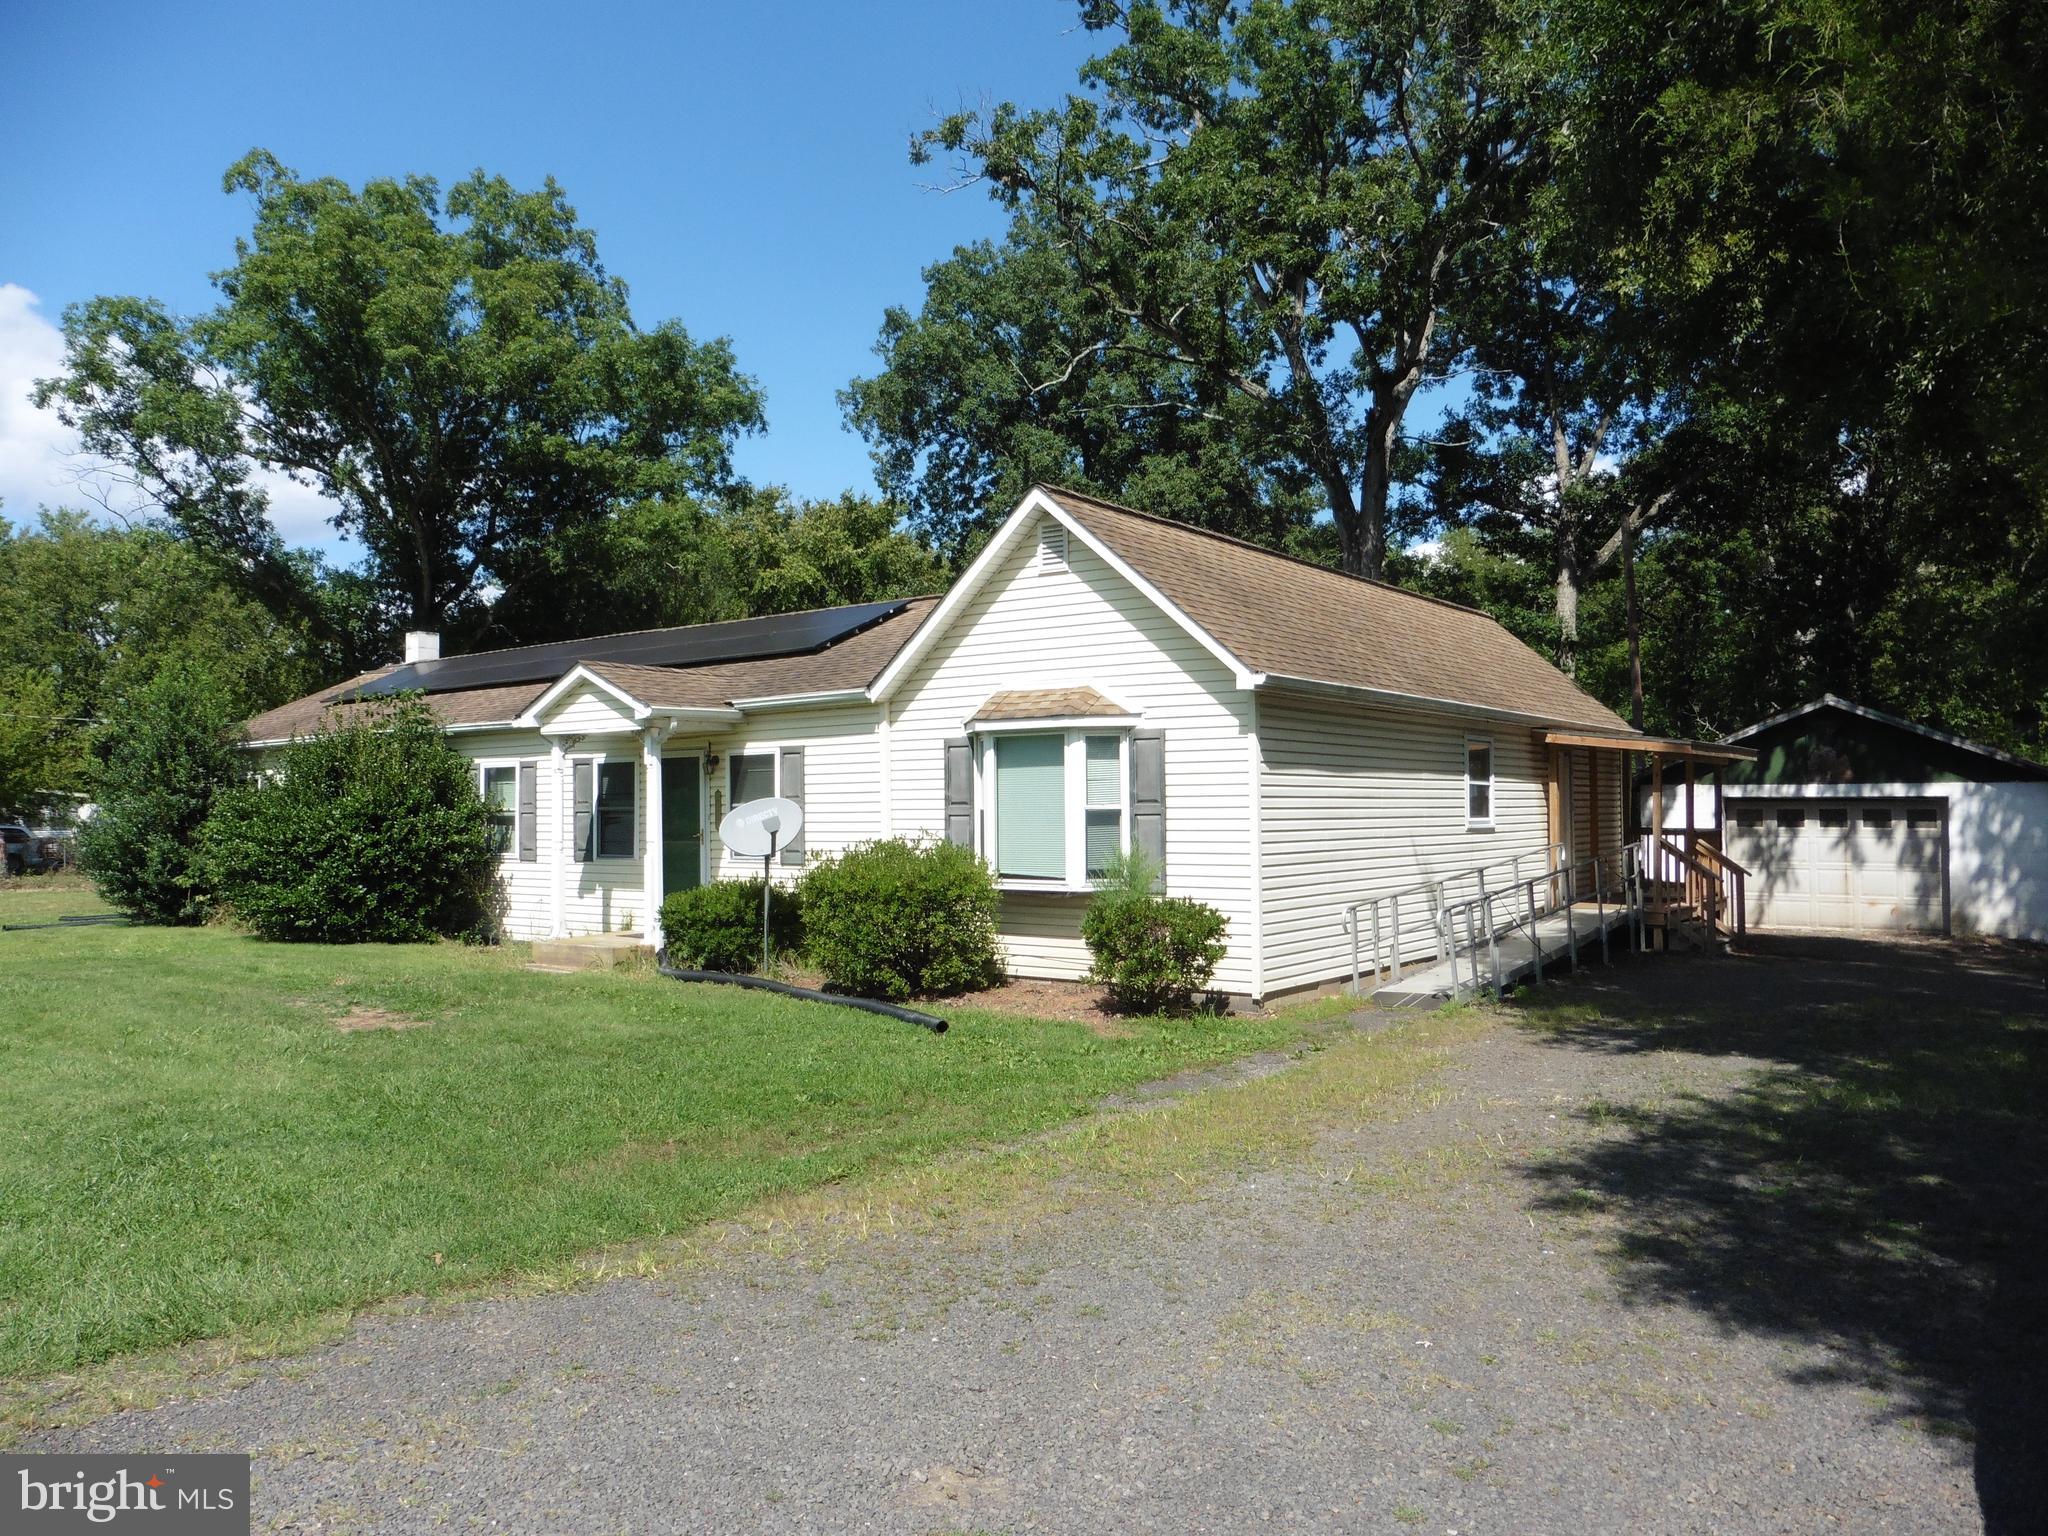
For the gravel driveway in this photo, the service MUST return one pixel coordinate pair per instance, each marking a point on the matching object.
(1415, 1282)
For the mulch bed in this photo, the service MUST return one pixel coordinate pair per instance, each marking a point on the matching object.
(1076, 1002)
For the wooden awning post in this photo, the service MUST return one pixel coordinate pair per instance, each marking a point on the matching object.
(1692, 824)
(1656, 818)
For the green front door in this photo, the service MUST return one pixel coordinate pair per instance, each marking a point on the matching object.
(682, 823)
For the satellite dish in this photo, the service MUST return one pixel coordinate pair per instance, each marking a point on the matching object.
(759, 827)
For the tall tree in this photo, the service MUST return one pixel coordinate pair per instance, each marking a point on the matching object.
(1013, 372)
(684, 561)
(461, 375)
(1276, 199)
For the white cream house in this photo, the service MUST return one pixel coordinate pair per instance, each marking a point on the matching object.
(1287, 739)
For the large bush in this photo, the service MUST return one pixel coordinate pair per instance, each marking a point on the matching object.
(902, 919)
(1153, 953)
(372, 833)
(169, 756)
(717, 927)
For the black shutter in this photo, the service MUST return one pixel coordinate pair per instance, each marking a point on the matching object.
(1148, 796)
(960, 792)
(582, 777)
(793, 789)
(529, 840)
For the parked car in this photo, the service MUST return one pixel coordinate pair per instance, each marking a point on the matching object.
(37, 850)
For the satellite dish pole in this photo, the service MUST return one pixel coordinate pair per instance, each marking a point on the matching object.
(759, 829)
(773, 825)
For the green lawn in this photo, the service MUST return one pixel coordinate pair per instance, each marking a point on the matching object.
(190, 1147)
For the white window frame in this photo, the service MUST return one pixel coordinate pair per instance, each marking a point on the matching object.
(1492, 781)
(510, 852)
(597, 760)
(1074, 759)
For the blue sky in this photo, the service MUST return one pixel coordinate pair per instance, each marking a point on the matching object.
(745, 168)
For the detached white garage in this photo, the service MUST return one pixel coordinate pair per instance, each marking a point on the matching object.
(1842, 863)
(1855, 820)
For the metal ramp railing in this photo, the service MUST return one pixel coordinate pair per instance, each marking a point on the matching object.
(1479, 908)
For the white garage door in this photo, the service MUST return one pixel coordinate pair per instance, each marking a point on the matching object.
(1869, 864)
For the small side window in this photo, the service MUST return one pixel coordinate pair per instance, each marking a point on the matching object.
(752, 776)
(501, 796)
(1478, 783)
(614, 812)
(1104, 782)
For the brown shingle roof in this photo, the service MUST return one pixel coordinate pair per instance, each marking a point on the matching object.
(1290, 619)
(1045, 704)
(852, 663)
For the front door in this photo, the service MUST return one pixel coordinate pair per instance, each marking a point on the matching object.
(682, 823)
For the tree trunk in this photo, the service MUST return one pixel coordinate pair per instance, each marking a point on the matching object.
(1568, 590)
(1635, 632)
(1362, 535)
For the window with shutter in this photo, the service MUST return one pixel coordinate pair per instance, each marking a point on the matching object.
(1103, 829)
(614, 811)
(500, 787)
(1057, 805)
(751, 776)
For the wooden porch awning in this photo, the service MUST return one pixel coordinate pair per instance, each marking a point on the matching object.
(1655, 747)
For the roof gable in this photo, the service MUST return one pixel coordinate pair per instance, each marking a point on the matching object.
(1273, 619)
(1834, 740)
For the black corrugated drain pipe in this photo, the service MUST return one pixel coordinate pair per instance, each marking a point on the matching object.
(810, 995)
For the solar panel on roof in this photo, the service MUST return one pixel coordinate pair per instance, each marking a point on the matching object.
(692, 645)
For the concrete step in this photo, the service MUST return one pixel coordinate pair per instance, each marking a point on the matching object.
(587, 952)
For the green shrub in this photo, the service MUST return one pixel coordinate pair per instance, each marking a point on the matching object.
(172, 754)
(1152, 953)
(900, 919)
(374, 833)
(717, 927)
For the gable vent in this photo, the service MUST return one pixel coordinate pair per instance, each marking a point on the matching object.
(1052, 548)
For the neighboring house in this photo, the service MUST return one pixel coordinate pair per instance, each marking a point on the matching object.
(1854, 819)
(1289, 740)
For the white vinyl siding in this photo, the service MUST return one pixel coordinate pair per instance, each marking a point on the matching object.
(589, 710)
(842, 779)
(1358, 800)
(1080, 624)
(601, 896)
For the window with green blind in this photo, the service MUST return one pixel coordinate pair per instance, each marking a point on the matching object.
(1031, 807)
(1103, 836)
